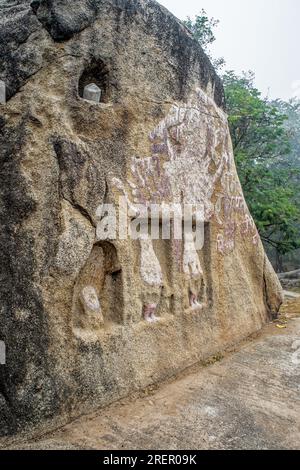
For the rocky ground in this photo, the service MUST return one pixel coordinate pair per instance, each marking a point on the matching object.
(290, 280)
(248, 399)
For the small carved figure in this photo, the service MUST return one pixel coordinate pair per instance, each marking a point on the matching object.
(194, 301)
(191, 262)
(149, 313)
(90, 303)
(192, 269)
(151, 271)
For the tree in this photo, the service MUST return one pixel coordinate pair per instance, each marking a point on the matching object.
(290, 260)
(202, 28)
(261, 137)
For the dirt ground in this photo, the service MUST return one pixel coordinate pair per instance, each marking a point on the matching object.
(250, 399)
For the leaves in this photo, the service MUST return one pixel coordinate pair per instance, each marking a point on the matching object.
(262, 141)
(202, 27)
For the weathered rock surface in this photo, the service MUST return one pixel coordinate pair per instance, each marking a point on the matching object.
(290, 280)
(72, 307)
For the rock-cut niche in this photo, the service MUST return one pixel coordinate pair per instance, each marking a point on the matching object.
(96, 73)
(98, 293)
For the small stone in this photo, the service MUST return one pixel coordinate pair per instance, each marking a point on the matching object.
(2, 353)
(2, 92)
(92, 93)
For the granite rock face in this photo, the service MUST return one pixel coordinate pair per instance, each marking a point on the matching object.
(86, 320)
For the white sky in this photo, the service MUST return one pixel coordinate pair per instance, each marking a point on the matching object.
(258, 35)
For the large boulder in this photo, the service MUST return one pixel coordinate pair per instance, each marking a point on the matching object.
(78, 313)
(290, 280)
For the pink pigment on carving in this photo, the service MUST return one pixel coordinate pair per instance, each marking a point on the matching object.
(149, 313)
(194, 301)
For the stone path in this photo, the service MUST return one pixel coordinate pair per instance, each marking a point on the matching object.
(291, 295)
(248, 400)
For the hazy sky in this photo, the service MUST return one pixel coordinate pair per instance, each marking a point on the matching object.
(258, 35)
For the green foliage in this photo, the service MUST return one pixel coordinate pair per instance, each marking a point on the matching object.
(262, 143)
(256, 125)
(202, 28)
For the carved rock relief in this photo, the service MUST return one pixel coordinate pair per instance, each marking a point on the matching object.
(192, 271)
(233, 216)
(191, 157)
(98, 291)
(189, 153)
